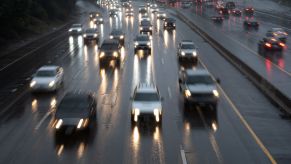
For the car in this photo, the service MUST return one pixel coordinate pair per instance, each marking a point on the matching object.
(91, 34)
(154, 5)
(278, 33)
(98, 20)
(76, 29)
(125, 4)
(145, 17)
(129, 9)
(187, 52)
(249, 11)
(169, 24)
(161, 15)
(142, 42)
(224, 11)
(92, 15)
(110, 50)
(129, 14)
(251, 23)
(230, 5)
(198, 88)
(142, 11)
(118, 35)
(145, 27)
(76, 112)
(186, 4)
(236, 12)
(148, 4)
(270, 44)
(47, 78)
(146, 104)
(217, 19)
(113, 13)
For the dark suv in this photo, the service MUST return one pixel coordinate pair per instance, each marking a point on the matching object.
(110, 51)
(145, 27)
(76, 112)
(118, 35)
(169, 24)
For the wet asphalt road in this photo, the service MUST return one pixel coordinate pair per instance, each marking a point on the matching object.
(246, 122)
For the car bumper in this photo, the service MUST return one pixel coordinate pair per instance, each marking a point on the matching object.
(202, 100)
(43, 88)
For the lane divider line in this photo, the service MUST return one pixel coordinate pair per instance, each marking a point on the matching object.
(183, 155)
(43, 119)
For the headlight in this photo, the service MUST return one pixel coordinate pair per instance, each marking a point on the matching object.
(215, 93)
(140, 28)
(115, 54)
(136, 43)
(164, 15)
(59, 124)
(183, 53)
(187, 93)
(165, 23)
(136, 111)
(80, 123)
(101, 19)
(156, 112)
(102, 54)
(194, 53)
(111, 37)
(32, 83)
(95, 35)
(148, 43)
(52, 83)
(70, 30)
(79, 30)
(150, 28)
(121, 37)
(85, 35)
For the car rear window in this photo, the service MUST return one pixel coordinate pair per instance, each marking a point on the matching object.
(146, 97)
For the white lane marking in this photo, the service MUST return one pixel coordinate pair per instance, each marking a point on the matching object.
(163, 62)
(169, 92)
(183, 156)
(14, 90)
(42, 120)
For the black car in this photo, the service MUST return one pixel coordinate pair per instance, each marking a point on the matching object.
(169, 24)
(113, 13)
(145, 27)
(91, 34)
(270, 44)
(236, 12)
(249, 11)
(110, 50)
(142, 42)
(217, 19)
(251, 24)
(92, 15)
(118, 35)
(76, 112)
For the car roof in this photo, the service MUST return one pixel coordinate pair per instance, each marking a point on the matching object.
(146, 88)
(199, 71)
(48, 68)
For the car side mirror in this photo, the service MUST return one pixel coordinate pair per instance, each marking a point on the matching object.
(218, 80)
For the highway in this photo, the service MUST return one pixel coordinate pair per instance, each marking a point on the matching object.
(247, 128)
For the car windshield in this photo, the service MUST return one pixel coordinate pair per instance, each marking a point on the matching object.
(187, 46)
(73, 107)
(116, 33)
(146, 97)
(109, 46)
(76, 26)
(201, 79)
(45, 73)
(142, 38)
(145, 23)
(91, 31)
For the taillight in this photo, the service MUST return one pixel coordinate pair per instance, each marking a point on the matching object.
(268, 45)
(282, 44)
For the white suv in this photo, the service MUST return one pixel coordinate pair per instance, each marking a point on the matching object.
(146, 104)
(187, 51)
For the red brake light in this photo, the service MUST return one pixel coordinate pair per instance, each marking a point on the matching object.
(268, 45)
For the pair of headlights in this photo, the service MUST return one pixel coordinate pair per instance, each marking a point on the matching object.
(33, 83)
(188, 93)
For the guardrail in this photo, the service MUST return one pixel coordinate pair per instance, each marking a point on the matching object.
(279, 98)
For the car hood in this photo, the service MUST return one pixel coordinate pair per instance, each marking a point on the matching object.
(201, 88)
(43, 80)
(146, 107)
(188, 50)
(142, 42)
